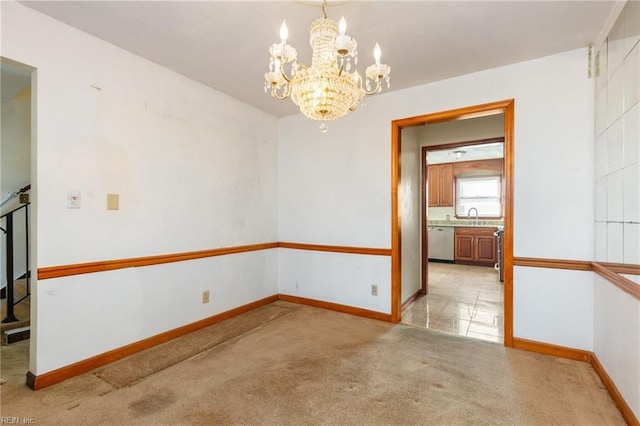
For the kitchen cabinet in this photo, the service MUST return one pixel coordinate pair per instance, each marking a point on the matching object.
(495, 165)
(475, 246)
(440, 177)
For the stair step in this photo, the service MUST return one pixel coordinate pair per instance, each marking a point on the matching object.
(16, 335)
(6, 326)
(19, 289)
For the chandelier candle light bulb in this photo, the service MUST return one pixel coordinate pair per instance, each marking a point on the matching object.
(284, 33)
(327, 89)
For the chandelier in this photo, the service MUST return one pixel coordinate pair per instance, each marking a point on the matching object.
(327, 89)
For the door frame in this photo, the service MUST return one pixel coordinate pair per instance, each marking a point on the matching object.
(505, 107)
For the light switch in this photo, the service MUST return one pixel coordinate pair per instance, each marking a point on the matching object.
(73, 199)
(113, 201)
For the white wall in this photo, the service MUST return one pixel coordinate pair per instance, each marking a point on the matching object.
(335, 188)
(617, 142)
(617, 339)
(84, 315)
(471, 129)
(345, 279)
(554, 306)
(617, 200)
(410, 209)
(194, 168)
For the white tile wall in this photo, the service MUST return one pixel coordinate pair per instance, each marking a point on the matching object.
(601, 112)
(615, 90)
(615, 44)
(615, 242)
(601, 168)
(631, 243)
(631, 72)
(614, 147)
(601, 71)
(615, 191)
(631, 126)
(601, 200)
(601, 242)
(617, 141)
(631, 194)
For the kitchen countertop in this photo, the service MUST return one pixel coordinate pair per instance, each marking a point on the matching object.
(467, 223)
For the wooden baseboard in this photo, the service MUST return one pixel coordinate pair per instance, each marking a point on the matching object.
(549, 349)
(31, 380)
(337, 307)
(41, 381)
(410, 300)
(586, 356)
(624, 408)
(47, 379)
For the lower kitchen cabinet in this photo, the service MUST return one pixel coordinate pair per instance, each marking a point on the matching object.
(475, 246)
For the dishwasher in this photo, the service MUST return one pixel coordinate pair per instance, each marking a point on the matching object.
(440, 240)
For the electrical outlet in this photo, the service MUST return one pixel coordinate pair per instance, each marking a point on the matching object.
(374, 289)
(205, 296)
(73, 199)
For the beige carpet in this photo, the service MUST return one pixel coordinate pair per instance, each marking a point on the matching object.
(138, 366)
(312, 366)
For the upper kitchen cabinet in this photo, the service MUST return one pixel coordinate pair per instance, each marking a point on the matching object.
(440, 178)
(479, 167)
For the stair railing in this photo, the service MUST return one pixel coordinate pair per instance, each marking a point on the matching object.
(11, 195)
(9, 260)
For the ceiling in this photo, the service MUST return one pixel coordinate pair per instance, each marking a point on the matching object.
(485, 151)
(224, 44)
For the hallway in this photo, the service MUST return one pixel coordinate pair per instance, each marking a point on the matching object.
(462, 300)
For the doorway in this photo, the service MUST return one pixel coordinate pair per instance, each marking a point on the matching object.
(462, 221)
(17, 216)
(399, 250)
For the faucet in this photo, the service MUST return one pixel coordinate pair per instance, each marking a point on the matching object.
(469, 213)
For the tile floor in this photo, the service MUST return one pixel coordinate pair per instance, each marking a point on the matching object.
(463, 300)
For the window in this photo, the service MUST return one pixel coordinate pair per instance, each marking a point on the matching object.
(482, 193)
